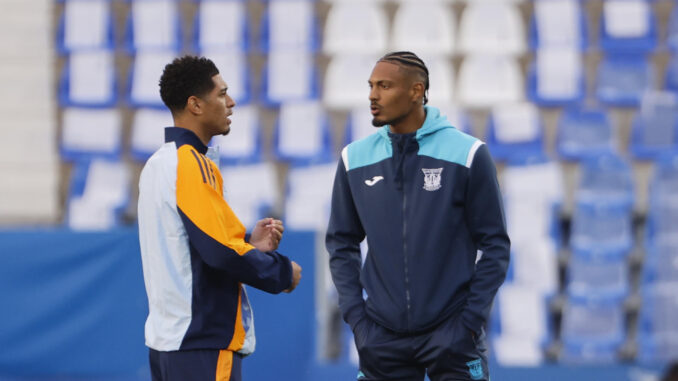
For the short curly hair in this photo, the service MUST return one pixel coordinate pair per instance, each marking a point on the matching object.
(184, 77)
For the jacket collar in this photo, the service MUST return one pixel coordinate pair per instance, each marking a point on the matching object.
(183, 136)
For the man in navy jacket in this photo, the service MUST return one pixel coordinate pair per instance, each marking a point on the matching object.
(426, 197)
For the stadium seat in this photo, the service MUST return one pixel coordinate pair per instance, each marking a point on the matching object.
(235, 71)
(85, 25)
(345, 84)
(628, 26)
(558, 24)
(556, 77)
(672, 34)
(98, 195)
(598, 274)
(243, 143)
(221, 25)
(623, 78)
(605, 178)
(520, 327)
(671, 79)
(655, 125)
(302, 133)
(514, 127)
(144, 76)
(441, 78)
(491, 28)
(583, 133)
(154, 25)
(88, 133)
(592, 331)
(662, 216)
(661, 260)
(148, 131)
(367, 33)
(430, 27)
(657, 324)
(601, 226)
(251, 190)
(289, 76)
(89, 80)
(488, 80)
(290, 25)
(307, 206)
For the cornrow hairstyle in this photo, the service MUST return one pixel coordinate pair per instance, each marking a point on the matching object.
(410, 61)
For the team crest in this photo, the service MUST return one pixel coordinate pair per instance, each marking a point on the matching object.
(432, 178)
(475, 368)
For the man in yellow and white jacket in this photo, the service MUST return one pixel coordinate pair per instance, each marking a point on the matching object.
(195, 252)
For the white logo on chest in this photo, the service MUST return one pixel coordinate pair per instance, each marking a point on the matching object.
(432, 178)
(374, 180)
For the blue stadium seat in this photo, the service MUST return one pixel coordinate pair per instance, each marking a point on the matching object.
(243, 144)
(661, 260)
(663, 210)
(98, 195)
(672, 34)
(491, 28)
(592, 331)
(671, 80)
(520, 327)
(367, 34)
(345, 82)
(602, 226)
(657, 324)
(89, 80)
(85, 25)
(556, 77)
(558, 24)
(628, 26)
(307, 206)
(251, 190)
(428, 26)
(512, 128)
(221, 25)
(598, 274)
(290, 25)
(235, 71)
(488, 80)
(623, 78)
(583, 133)
(154, 25)
(302, 133)
(148, 132)
(655, 126)
(90, 133)
(289, 76)
(144, 76)
(606, 179)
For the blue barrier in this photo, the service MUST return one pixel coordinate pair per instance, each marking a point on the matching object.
(74, 306)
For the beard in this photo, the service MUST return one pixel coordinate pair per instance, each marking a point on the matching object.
(379, 123)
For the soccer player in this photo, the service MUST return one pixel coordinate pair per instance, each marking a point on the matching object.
(195, 252)
(426, 197)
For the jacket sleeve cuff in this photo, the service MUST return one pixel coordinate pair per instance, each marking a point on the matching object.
(247, 237)
(472, 321)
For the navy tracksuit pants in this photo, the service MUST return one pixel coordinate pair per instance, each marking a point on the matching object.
(448, 352)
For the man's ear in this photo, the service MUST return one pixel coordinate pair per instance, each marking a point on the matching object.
(194, 105)
(418, 91)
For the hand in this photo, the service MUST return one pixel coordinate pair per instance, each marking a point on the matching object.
(267, 234)
(296, 277)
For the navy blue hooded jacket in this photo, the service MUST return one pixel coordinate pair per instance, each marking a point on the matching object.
(427, 202)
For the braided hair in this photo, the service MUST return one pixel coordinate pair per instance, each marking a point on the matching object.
(409, 60)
